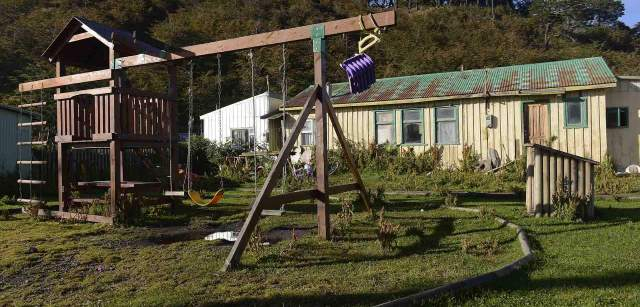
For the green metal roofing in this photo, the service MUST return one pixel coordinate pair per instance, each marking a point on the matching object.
(539, 76)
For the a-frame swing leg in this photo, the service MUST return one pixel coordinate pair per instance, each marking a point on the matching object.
(233, 259)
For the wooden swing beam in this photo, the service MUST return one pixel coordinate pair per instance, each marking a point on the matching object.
(319, 101)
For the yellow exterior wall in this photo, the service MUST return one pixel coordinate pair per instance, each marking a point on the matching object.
(623, 143)
(506, 136)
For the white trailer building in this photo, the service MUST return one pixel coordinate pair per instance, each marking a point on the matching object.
(235, 122)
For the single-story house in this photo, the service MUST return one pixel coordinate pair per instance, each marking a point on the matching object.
(10, 135)
(235, 122)
(577, 106)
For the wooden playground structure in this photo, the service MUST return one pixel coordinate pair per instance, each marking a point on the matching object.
(116, 116)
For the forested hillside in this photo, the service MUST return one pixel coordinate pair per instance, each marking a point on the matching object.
(431, 36)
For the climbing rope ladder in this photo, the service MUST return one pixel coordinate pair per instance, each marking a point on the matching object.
(25, 139)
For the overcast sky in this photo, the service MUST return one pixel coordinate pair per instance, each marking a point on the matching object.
(631, 12)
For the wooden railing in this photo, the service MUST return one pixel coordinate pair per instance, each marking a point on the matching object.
(127, 114)
(548, 170)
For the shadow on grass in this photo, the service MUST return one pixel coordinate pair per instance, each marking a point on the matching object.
(332, 254)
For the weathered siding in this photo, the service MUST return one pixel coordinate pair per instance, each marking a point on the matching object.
(623, 143)
(9, 136)
(505, 136)
(239, 116)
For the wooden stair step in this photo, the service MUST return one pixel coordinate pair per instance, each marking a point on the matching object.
(30, 181)
(31, 162)
(36, 104)
(42, 123)
(32, 143)
(30, 201)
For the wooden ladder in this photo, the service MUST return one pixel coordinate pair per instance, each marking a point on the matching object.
(31, 143)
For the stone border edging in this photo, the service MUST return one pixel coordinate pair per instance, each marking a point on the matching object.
(476, 280)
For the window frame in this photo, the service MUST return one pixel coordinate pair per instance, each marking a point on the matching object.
(456, 119)
(393, 125)
(249, 133)
(617, 126)
(309, 131)
(584, 112)
(419, 121)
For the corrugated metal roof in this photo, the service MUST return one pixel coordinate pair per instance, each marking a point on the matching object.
(539, 76)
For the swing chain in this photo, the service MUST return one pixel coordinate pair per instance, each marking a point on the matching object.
(218, 106)
(190, 127)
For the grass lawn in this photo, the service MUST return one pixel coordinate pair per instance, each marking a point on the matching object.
(164, 261)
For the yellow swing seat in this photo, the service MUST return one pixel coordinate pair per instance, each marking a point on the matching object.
(197, 199)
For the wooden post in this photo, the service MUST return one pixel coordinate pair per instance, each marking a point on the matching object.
(529, 170)
(63, 176)
(566, 180)
(559, 172)
(322, 173)
(581, 181)
(545, 182)
(537, 183)
(114, 190)
(589, 189)
(63, 159)
(553, 172)
(574, 176)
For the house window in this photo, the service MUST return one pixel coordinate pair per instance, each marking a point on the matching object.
(306, 136)
(575, 112)
(385, 131)
(617, 117)
(242, 136)
(412, 126)
(446, 125)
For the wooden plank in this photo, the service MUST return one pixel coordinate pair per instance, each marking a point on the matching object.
(553, 172)
(30, 201)
(537, 182)
(546, 197)
(336, 27)
(276, 201)
(32, 143)
(35, 104)
(529, 170)
(29, 181)
(33, 162)
(80, 36)
(41, 123)
(92, 76)
(76, 216)
(233, 259)
(337, 189)
(581, 182)
(93, 91)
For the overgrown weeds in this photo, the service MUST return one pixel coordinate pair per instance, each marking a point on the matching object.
(387, 232)
(569, 206)
(484, 247)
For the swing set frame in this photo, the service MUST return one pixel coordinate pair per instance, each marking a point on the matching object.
(318, 101)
